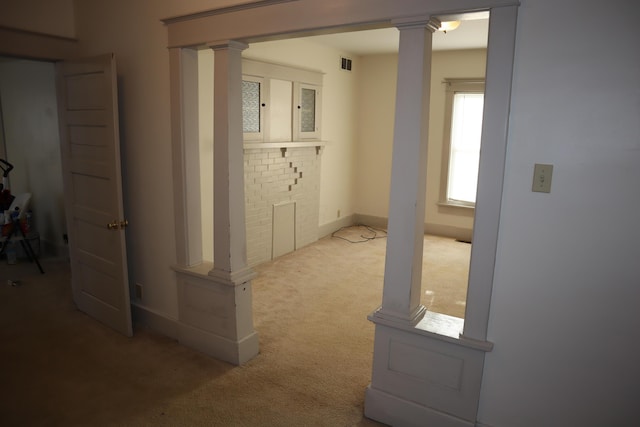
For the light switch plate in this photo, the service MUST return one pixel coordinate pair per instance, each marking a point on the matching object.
(542, 178)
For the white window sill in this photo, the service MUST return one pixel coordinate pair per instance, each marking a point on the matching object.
(453, 204)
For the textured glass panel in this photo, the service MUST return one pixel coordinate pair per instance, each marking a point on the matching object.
(250, 106)
(308, 110)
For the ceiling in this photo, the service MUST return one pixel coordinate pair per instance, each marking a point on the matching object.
(471, 34)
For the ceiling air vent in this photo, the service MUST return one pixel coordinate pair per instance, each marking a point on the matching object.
(345, 63)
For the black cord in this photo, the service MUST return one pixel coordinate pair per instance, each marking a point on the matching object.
(365, 239)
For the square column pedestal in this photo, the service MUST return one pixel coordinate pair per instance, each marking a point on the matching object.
(423, 377)
(215, 315)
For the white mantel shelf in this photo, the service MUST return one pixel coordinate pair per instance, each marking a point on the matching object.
(287, 144)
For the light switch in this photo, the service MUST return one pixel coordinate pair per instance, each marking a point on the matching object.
(542, 178)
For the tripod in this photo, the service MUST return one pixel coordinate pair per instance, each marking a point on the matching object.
(24, 242)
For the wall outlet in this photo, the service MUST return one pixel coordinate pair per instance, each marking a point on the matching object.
(542, 178)
(138, 290)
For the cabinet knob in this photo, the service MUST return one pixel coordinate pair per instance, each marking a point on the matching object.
(264, 105)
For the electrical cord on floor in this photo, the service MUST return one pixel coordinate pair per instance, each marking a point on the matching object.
(374, 234)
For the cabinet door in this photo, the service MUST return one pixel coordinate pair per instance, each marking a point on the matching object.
(308, 107)
(279, 111)
(253, 96)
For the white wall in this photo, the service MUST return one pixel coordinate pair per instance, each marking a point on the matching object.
(376, 103)
(30, 116)
(564, 312)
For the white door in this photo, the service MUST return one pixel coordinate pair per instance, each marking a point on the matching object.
(90, 146)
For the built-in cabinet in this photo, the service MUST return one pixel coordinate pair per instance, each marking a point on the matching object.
(282, 147)
(280, 103)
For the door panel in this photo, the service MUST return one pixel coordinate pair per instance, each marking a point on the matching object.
(90, 146)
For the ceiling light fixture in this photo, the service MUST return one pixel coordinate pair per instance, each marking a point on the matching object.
(448, 26)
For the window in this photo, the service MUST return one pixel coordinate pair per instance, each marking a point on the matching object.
(461, 150)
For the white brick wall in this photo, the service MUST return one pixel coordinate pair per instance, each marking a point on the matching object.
(272, 178)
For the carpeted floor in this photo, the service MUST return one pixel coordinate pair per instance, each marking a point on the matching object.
(58, 367)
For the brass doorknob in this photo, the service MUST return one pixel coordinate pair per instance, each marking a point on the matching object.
(116, 225)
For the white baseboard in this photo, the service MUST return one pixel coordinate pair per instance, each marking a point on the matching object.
(236, 352)
(155, 321)
(328, 228)
(460, 233)
(371, 221)
(392, 410)
(464, 234)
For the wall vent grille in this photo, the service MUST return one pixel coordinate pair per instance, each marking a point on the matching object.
(345, 63)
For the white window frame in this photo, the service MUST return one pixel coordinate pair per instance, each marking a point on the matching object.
(453, 86)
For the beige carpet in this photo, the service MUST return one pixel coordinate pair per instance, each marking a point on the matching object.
(60, 368)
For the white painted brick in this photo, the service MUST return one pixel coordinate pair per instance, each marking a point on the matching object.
(268, 178)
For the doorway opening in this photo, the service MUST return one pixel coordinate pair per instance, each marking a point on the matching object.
(358, 125)
(31, 143)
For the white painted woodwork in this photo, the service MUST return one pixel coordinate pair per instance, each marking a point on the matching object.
(186, 163)
(280, 97)
(420, 375)
(90, 149)
(300, 134)
(443, 377)
(280, 110)
(229, 247)
(284, 228)
(261, 20)
(214, 301)
(495, 127)
(403, 264)
(215, 316)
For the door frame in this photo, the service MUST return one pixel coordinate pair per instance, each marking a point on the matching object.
(187, 33)
(390, 398)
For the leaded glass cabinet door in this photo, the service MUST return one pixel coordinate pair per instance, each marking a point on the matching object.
(307, 111)
(253, 103)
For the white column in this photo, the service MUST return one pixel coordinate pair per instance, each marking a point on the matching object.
(229, 247)
(403, 265)
(186, 164)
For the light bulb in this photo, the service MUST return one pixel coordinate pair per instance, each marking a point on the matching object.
(448, 26)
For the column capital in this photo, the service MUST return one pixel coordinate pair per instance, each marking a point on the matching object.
(430, 23)
(227, 44)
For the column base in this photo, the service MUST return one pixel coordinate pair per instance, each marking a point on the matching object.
(421, 378)
(389, 317)
(232, 278)
(215, 314)
(237, 352)
(391, 410)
